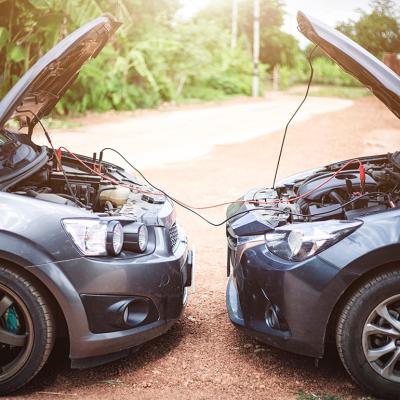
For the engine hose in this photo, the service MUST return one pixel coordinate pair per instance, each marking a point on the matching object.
(336, 197)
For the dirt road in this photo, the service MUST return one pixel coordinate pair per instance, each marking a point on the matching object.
(204, 356)
(183, 133)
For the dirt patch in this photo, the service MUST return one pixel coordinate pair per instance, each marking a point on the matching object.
(204, 356)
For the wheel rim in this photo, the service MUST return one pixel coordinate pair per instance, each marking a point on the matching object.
(381, 339)
(16, 333)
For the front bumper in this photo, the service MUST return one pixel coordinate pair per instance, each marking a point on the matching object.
(277, 302)
(95, 292)
(305, 294)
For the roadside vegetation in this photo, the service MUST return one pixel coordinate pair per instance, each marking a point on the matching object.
(302, 395)
(311, 396)
(342, 92)
(157, 56)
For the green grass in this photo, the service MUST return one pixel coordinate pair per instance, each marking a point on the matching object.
(60, 123)
(302, 395)
(218, 99)
(343, 92)
(311, 396)
(49, 122)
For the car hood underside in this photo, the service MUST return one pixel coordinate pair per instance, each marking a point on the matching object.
(37, 92)
(353, 58)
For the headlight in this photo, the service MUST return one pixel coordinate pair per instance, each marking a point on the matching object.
(115, 238)
(136, 237)
(95, 237)
(296, 242)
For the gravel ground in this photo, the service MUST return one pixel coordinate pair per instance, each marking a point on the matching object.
(204, 356)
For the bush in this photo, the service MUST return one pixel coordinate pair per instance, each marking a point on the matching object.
(152, 58)
(326, 72)
(166, 64)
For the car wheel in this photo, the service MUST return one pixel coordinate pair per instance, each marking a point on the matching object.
(27, 330)
(368, 335)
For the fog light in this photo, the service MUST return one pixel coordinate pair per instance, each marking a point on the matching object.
(108, 313)
(130, 313)
(136, 237)
(271, 317)
(136, 312)
(115, 238)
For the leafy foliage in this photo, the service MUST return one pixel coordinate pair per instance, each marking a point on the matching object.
(378, 31)
(156, 57)
(277, 47)
(153, 58)
(326, 72)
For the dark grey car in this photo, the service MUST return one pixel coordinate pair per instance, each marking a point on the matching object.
(86, 251)
(317, 256)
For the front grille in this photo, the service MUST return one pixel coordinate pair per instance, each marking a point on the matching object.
(174, 235)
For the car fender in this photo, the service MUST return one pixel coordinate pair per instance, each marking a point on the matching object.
(322, 281)
(348, 277)
(35, 260)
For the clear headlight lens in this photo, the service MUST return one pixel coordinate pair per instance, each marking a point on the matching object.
(143, 237)
(95, 237)
(297, 242)
(115, 238)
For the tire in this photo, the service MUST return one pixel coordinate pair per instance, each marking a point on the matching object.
(368, 335)
(27, 329)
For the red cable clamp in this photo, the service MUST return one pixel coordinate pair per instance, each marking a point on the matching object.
(362, 178)
(59, 154)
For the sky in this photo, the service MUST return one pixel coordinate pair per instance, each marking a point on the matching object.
(329, 11)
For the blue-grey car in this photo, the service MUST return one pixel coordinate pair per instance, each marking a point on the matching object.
(86, 250)
(317, 256)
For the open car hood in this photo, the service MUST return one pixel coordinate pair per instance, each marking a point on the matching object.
(42, 86)
(374, 74)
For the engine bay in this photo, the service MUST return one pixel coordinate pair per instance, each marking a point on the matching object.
(344, 190)
(77, 181)
(341, 191)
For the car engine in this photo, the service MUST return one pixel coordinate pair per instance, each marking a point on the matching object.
(77, 181)
(343, 190)
(337, 191)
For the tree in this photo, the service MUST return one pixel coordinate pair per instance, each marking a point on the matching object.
(28, 28)
(277, 47)
(377, 31)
